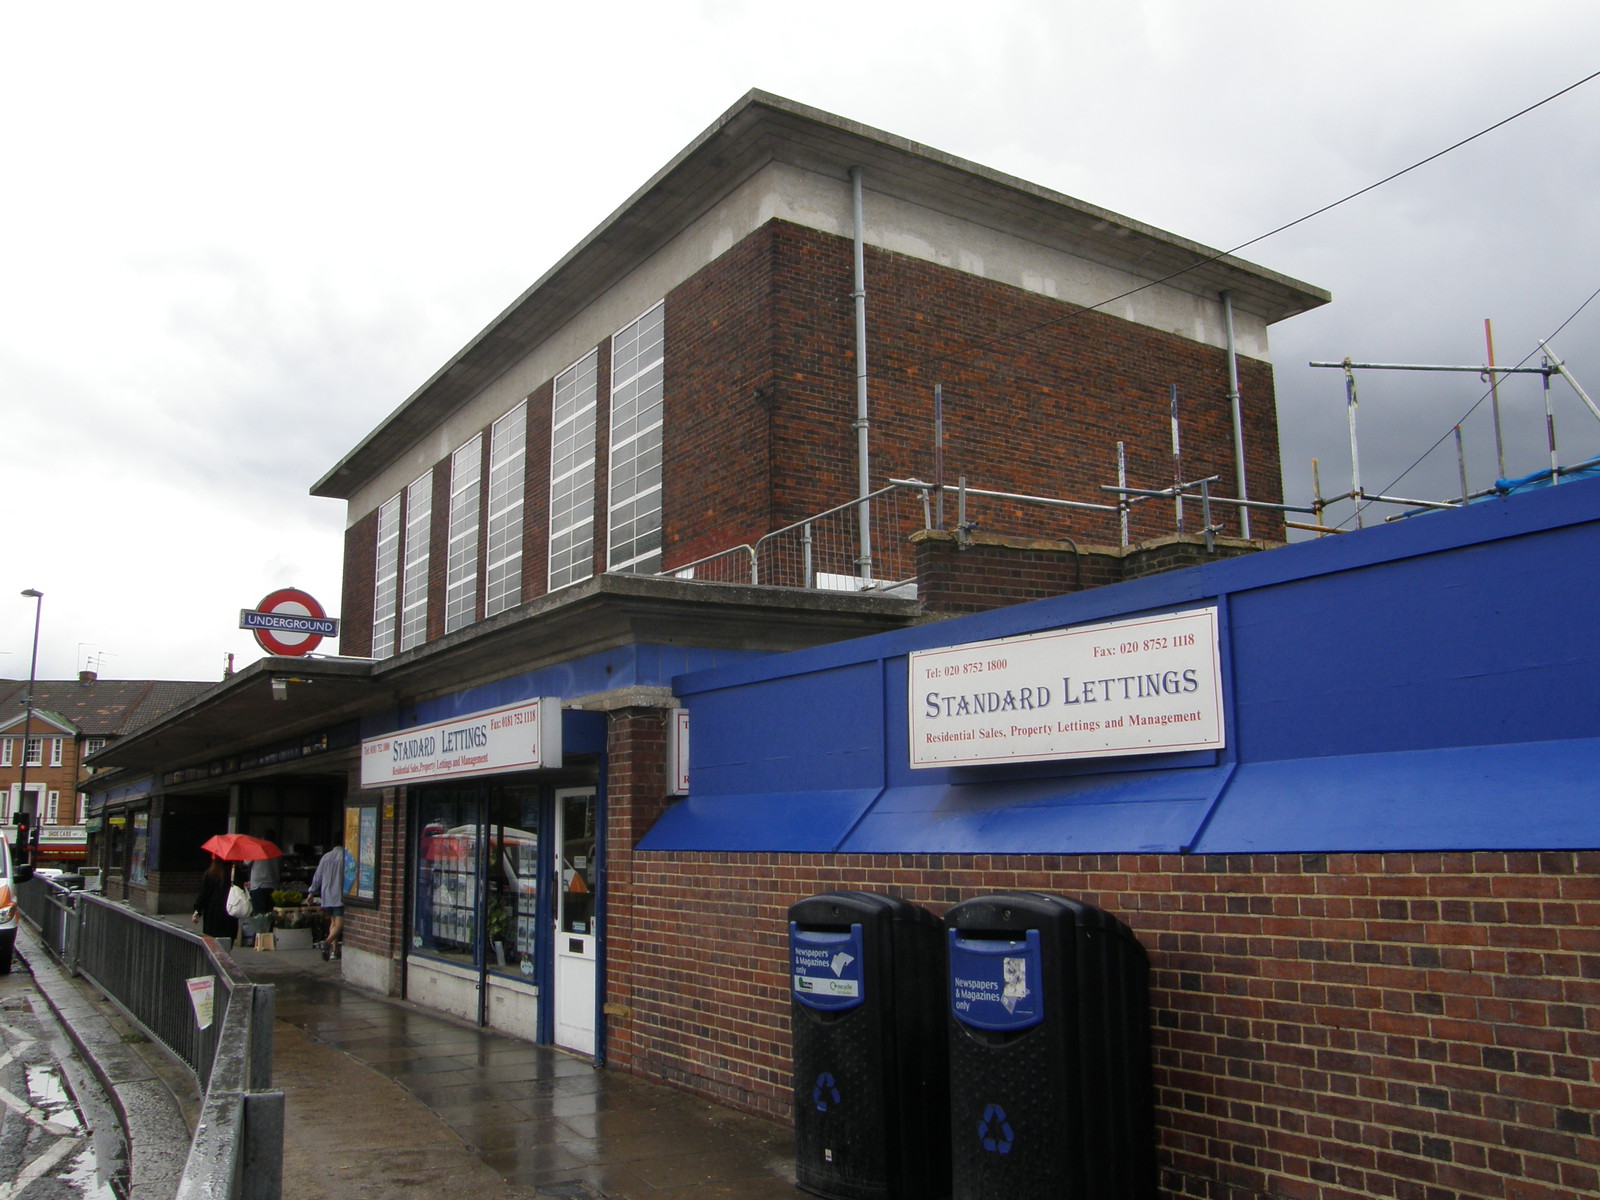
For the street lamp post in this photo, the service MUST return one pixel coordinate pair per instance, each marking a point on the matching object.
(27, 728)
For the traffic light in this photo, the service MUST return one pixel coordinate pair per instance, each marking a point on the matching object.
(24, 820)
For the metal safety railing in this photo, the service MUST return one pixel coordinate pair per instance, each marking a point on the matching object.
(152, 972)
(836, 550)
(826, 551)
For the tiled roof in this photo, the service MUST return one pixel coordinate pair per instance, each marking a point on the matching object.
(100, 707)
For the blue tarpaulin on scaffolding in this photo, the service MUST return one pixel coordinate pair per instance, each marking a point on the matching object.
(1543, 479)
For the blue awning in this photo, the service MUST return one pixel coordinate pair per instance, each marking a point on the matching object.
(1143, 811)
(1154, 812)
(1451, 799)
(1457, 798)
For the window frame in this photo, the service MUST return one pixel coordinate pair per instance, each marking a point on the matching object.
(508, 471)
(461, 554)
(413, 624)
(386, 578)
(634, 513)
(574, 421)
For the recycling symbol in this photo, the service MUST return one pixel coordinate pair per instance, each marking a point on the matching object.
(994, 1131)
(826, 1094)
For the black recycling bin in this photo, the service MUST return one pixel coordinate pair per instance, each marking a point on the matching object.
(1049, 1028)
(871, 1093)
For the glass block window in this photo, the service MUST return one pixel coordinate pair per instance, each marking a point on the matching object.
(414, 588)
(466, 498)
(386, 588)
(634, 499)
(572, 463)
(508, 446)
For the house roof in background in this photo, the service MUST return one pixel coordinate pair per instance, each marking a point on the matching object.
(99, 707)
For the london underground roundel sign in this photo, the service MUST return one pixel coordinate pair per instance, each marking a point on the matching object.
(289, 622)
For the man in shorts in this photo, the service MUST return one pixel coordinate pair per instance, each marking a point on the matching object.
(327, 888)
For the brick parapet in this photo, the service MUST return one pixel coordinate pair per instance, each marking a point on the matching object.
(966, 574)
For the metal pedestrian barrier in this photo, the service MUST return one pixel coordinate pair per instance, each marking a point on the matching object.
(166, 981)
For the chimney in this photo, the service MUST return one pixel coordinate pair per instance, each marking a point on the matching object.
(87, 676)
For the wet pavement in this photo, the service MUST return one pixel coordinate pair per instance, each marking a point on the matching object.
(383, 1098)
(59, 1138)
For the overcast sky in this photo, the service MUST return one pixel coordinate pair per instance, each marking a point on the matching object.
(236, 237)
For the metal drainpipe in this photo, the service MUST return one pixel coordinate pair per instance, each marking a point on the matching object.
(863, 461)
(1238, 420)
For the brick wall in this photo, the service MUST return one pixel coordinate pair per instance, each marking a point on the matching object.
(986, 572)
(360, 580)
(602, 458)
(1039, 413)
(438, 549)
(636, 758)
(719, 386)
(1419, 1026)
(536, 495)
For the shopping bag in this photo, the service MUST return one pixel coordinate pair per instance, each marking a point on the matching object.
(238, 902)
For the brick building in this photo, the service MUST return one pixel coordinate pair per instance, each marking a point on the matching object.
(71, 720)
(535, 547)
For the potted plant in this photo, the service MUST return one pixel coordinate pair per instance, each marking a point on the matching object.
(295, 923)
(499, 930)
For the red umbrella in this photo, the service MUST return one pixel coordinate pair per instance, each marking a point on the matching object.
(240, 847)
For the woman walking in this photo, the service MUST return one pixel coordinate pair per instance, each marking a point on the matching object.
(211, 905)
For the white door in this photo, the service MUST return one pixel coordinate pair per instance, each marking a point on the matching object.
(575, 934)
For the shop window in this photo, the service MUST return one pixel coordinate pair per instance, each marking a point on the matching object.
(511, 915)
(477, 894)
(449, 880)
(139, 860)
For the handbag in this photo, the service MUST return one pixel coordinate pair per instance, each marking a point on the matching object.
(238, 902)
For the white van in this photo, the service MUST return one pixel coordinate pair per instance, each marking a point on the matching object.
(10, 914)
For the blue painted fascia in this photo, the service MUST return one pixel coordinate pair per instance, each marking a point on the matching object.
(637, 665)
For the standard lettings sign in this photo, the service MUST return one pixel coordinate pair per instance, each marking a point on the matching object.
(518, 737)
(1149, 685)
